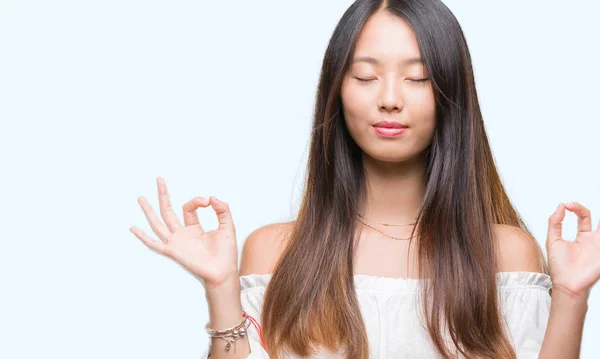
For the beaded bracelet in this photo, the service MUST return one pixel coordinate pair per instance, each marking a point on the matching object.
(230, 335)
(234, 333)
(215, 332)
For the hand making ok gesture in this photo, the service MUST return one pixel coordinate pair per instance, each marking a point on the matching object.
(574, 265)
(210, 256)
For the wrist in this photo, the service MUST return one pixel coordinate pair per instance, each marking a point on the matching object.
(568, 300)
(224, 303)
(564, 291)
(231, 282)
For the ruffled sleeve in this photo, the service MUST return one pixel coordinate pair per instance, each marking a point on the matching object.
(525, 303)
(252, 293)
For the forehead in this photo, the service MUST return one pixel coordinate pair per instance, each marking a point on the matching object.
(388, 38)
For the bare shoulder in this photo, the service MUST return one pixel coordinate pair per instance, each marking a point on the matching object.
(518, 251)
(263, 247)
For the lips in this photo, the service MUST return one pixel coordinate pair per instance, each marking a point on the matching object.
(388, 124)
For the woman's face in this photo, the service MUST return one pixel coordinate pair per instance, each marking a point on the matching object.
(388, 82)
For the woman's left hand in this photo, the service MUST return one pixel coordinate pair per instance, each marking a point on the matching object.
(574, 265)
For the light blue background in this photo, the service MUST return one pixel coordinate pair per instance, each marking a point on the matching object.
(97, 98)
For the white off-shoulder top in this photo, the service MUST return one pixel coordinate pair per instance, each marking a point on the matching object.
(390, 310)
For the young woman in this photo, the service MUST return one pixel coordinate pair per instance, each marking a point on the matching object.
(406, 244)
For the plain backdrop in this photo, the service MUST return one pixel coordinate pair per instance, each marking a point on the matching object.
(98, 98)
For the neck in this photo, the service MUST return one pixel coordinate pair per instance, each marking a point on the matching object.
(394, 191)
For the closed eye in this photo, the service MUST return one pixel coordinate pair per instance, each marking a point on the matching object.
(364, 80)
(369, 80)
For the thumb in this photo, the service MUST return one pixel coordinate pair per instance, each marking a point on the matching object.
(555, 225)
(223, 213)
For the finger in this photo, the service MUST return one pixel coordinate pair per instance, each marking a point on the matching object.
(223, 213)
(190, 217)
(555, 226)
(156, 224)
(156, 246)
(166, 210)
(584, 217)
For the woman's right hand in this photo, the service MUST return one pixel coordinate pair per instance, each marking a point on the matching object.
(210, 256)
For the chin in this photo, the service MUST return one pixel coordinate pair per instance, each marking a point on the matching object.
(390, 157)
(393, 153)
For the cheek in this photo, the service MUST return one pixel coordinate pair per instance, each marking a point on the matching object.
(423, 99)
(356, 108)
(421, 108)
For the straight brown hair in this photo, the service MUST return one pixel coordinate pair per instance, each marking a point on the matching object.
(310, 302)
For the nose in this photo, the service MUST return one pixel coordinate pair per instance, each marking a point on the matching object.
(390, 98)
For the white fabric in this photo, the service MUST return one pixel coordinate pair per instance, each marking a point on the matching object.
(389, 308)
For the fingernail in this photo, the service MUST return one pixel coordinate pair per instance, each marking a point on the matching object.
(557, 208)
(570, 204)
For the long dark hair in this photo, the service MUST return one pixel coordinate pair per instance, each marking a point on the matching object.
(310, 301)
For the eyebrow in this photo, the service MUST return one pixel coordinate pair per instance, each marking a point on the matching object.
(374, 61)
